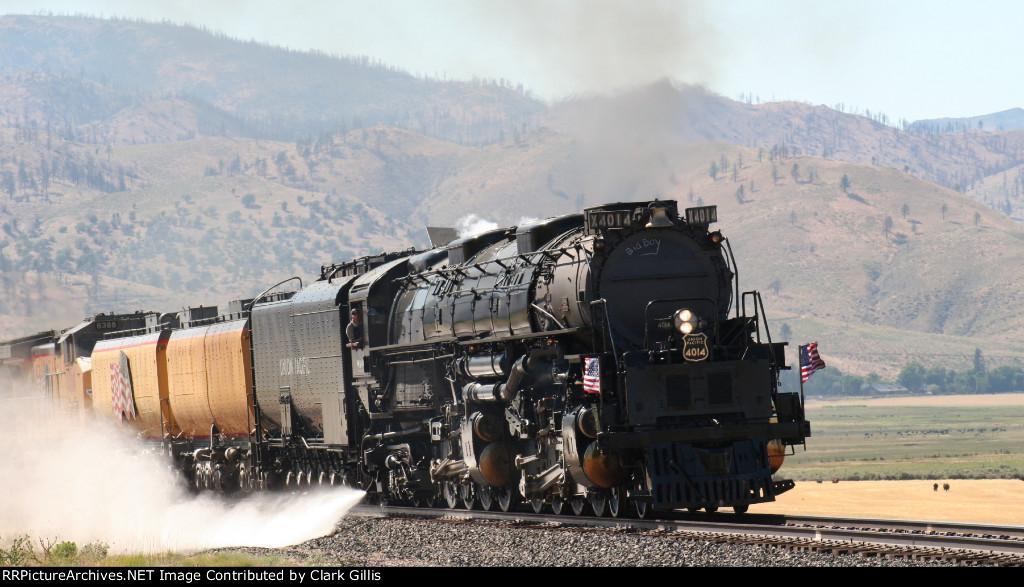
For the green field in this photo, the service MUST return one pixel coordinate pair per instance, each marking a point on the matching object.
(861, 442)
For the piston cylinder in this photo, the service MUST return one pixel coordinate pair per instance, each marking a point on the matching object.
(776, 455)
(487, 427)
(495, 464)
(604, 469)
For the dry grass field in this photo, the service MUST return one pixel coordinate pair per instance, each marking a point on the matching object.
(987, 501)
(984, 501)
(927, 401)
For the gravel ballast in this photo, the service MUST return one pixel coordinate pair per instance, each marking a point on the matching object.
(390, 542)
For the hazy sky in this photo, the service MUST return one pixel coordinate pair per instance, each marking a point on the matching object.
(910, 59)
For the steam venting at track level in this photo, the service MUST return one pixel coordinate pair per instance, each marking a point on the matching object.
(101, 484)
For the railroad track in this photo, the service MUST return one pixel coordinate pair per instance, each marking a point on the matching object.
(986, 545)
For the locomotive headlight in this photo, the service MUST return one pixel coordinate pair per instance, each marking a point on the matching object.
(684, 321)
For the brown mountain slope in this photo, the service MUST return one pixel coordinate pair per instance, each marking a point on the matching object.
(667, 111)
(277, 92)
(1003, 191)
(199, 221)
(935, 286)
(204, 220)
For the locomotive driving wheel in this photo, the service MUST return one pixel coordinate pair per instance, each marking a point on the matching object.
(486, 495)
(577, 504)
(429, 501)
(557, 505)
(467, 496)
(598, 503)
(451, 494)
(616, 503)
(506, 499)
(641, 508)
(537, 505)
(639, 505)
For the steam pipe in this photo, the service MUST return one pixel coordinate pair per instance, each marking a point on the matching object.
(549, 315)
(498, 392)
(391, 435)
(481, 366)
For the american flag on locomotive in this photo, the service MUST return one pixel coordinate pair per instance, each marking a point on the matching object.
(809, 361)
(592, 375)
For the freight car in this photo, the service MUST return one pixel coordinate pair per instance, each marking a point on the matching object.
(54, 368)
(601, 362)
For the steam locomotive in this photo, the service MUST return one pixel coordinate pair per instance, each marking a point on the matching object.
(603, 362)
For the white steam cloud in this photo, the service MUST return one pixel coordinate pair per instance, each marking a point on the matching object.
(93, 484)
(472, 225)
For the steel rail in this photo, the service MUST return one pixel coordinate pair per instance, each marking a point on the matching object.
(828, 533)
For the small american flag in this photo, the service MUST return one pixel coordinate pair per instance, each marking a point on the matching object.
(122, 397)
(809, 361)
(592, 375)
